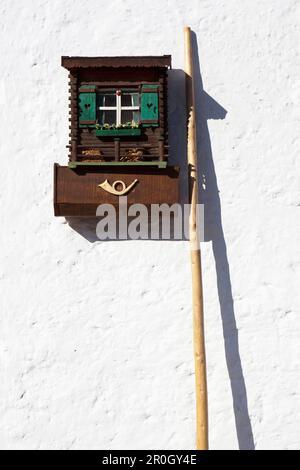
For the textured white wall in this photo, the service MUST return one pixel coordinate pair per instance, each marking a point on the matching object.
(96, 337)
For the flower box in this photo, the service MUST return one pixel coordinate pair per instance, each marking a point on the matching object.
(117, 132)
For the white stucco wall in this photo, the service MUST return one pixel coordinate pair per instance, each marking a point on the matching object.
(96, 337)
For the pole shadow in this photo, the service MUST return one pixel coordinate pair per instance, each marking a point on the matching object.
(207, 108)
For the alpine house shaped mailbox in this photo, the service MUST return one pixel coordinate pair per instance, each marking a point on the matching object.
(118, 135)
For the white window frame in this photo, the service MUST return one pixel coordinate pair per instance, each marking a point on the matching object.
(119, 108)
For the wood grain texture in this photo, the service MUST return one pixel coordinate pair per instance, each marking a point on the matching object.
(123, 61)
(73, 114)
(91, 78)
(77, 192)
(197, 290)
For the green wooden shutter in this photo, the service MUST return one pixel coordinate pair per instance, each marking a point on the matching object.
(149, 106)
(87, 106)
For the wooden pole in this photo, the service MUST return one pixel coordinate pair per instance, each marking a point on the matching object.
(197, 291)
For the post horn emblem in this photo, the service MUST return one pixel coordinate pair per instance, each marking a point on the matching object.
(112, 188)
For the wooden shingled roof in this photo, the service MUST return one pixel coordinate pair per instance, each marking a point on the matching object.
(122, 61)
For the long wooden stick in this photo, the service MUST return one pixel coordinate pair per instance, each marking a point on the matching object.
(197, 291)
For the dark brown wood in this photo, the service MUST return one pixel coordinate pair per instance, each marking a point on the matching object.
(123, 75)
(122, 144)
(150, 136)
(56, 209)
(137, 61)
(117, 149)
(87, 122)
(86, 90)
(77, 192)
(73, 114)
(161, 149)
(151, 90)
(73, 150)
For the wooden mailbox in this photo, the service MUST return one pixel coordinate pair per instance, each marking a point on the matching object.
(118, 135)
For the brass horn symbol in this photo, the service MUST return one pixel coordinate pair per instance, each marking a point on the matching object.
(112, 188)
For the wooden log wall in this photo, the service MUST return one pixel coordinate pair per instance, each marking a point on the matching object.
(73, 115)
(153, 141)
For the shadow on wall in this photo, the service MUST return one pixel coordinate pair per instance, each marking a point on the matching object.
(207, 108)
